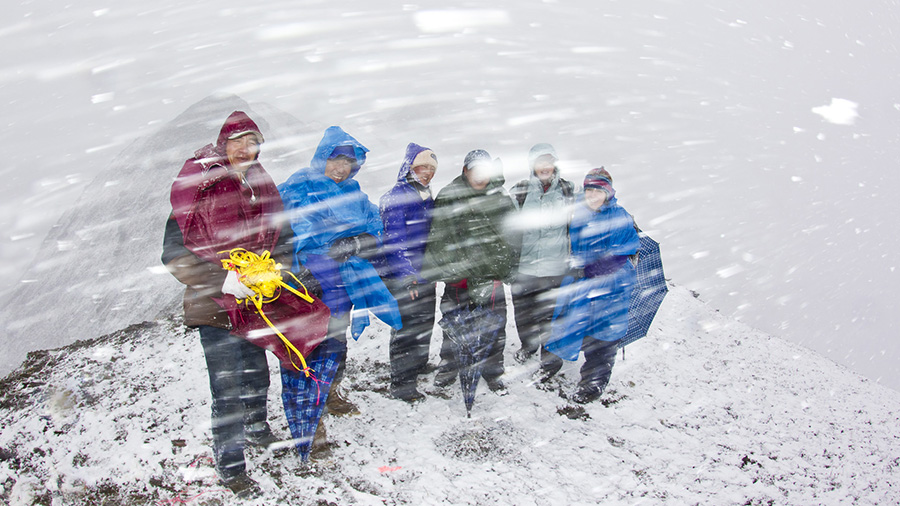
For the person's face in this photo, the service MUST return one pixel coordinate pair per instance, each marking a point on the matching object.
(425, 172)
(594, 197)
(242, 152)
(339, 168)
(544, 168)
(478, 176)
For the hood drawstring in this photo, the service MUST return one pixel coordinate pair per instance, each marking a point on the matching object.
(246, 183)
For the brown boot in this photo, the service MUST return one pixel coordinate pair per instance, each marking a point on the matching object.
(337, 404)
(319, 448)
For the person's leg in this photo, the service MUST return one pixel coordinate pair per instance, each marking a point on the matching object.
(525, 292)
(599, 359)
(255, 394)
(409, 346)
(493, 368)
(454, 297)
(224, 364)
(337, 403)
(545, 304)
(337, 330)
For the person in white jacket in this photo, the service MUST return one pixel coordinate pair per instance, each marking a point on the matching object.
(544, 201)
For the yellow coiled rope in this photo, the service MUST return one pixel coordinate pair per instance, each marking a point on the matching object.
(263, 275)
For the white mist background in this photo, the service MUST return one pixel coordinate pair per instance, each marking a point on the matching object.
(719, 123)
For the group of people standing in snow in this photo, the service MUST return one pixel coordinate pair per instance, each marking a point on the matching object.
(472, 238)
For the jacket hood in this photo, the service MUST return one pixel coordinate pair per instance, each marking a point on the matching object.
(412, 151)
(334, 137)
(237, 125)
(539, 150)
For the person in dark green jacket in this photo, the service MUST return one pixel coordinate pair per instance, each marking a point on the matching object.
(473, 251)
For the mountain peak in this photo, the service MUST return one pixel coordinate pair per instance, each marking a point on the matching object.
(99, 268)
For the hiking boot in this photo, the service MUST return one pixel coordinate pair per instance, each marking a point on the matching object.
(587, 392)
(549, 368)
(242, 486)
(445, 377)
(496, 385)
(260, 435)
(337, 404)
(319, 449)
(523, 355)
(406, 393)
(542, 376)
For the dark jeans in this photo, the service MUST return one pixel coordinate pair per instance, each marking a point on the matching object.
(409, 345)
(337, 330)
(455, 297)
(534, 299)
(239, 384)
(599, 359)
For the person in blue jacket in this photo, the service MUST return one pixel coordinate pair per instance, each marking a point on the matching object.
(592, 310)
(406, 211)
(337, 233)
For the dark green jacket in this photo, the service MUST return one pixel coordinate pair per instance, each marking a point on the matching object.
(470, 238)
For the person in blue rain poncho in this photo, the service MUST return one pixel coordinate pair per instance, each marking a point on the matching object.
(337, 236)
(592, 308)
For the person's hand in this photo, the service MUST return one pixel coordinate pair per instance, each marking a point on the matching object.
(344, 248)
(310, 282)
(362, 245)
(234, 286)
(412, 285)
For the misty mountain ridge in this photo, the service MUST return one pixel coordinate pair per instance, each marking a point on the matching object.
(99, 268)
(704, 410)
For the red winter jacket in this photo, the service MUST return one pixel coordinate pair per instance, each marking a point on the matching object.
(217, 210)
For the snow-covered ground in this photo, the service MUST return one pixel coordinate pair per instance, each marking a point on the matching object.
(704, 410)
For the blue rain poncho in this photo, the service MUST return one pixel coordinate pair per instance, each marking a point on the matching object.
(322, 211)
(596, 304)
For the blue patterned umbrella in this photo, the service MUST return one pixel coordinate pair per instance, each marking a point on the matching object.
(471, 332)
(304, 397)
(649, 290)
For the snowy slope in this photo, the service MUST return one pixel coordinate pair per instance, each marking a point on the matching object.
(704, 410)
(99, 269)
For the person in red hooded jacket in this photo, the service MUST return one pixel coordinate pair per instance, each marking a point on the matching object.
(224, 199)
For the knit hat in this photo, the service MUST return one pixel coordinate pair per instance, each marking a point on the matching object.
(477, 156)
(426, 157)
(600, 179)
(539, 150)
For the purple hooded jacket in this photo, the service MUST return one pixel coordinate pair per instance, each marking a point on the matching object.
(407, 221)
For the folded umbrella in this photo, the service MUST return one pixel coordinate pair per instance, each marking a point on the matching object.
(472, 332)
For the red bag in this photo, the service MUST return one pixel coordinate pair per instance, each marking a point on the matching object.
(303, 324)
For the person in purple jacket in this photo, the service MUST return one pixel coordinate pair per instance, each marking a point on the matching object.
(406, 212)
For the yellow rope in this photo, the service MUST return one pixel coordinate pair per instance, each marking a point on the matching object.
(263, 275)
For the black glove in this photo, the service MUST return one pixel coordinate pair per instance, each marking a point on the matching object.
(362, 245)
(310, 282)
